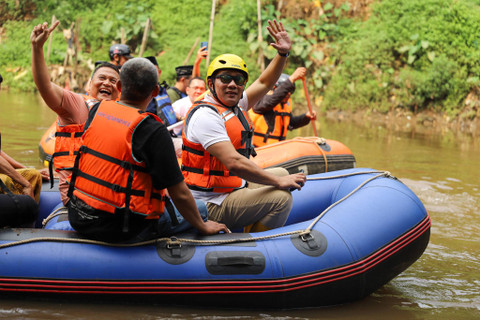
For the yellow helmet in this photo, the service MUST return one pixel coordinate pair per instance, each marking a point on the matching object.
(227, 61)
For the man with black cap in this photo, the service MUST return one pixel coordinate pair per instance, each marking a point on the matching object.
(179, 90)
(119, 54)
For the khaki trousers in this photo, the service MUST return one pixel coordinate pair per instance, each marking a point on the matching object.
(254, 204)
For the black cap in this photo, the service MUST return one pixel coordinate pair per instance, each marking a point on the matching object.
(120, 49)
(184, 71)
(153, 60)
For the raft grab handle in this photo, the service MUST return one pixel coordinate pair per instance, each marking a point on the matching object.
(235, 262)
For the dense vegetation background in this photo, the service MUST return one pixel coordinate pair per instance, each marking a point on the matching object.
(376, 54)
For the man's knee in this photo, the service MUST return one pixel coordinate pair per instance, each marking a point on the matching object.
(285, 200)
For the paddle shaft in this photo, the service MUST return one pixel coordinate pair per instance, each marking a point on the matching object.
(309, 106)
(175, 125)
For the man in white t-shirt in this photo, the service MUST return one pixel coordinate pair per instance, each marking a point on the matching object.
(217, 145)
(196, 86)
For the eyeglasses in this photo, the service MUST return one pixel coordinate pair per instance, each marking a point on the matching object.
(197, 88)
(226, 78)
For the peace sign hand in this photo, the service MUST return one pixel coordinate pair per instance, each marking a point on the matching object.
(282, 43)
(41, 32)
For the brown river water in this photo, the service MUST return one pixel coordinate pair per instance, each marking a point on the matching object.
(441, 168)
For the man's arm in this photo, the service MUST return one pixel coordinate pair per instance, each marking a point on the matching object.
(273, 71)
(183, 200)
(14, 163)
(201, 54)
(50, 92)
(270, 101)
(248, 170)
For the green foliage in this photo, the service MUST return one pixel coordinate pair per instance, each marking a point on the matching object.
(178, 24)
(413, 54)
(15, 55)
(313, 40)
(14, 10)
(410, 54)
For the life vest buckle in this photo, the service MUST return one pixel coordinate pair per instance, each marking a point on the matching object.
(117, 188)
(126, 165)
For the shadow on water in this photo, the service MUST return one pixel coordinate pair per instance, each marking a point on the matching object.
(379, 303)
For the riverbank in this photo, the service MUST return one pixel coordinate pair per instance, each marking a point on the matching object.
(426, 122)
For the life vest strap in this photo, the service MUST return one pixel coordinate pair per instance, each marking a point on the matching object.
(268, 136)
(124, 164)
(197, 188)
(219, 173)
(214, 189)
(282, 114)
(245, 152)
(50, 164)
(115, 187)
(194, 151)
(68, 134)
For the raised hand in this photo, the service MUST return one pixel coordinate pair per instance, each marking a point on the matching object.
(298, 74)
(41, 32)
(282, 43)
(202, 53)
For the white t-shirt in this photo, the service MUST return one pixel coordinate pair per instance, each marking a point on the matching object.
(181, 107)
(207, 127)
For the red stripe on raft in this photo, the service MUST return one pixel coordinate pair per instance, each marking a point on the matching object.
(214, 286)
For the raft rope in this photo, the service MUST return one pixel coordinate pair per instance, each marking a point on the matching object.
(52, 215)
(174, 241)
(319, 142)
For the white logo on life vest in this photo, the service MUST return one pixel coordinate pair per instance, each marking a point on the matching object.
(113, 118)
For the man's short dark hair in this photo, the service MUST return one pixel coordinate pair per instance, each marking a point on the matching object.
(138, 77)
(104, 64)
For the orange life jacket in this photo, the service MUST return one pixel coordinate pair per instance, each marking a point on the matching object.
(204, 172)
(106, 175)
(67, 143)
(264, 134)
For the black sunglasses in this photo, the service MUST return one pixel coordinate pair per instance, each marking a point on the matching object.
(226, 78)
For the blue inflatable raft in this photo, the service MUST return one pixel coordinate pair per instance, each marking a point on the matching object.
(349, 233)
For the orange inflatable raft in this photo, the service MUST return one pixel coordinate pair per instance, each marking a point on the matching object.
(46, 147)
(310, 154)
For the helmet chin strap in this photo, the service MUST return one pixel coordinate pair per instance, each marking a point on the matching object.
(118, 61)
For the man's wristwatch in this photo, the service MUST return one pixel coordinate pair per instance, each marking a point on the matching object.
(284, 54)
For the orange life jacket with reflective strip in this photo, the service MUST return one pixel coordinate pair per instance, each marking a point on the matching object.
(67, 143)
(106, 175)
(264, 134)
(204, 172)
